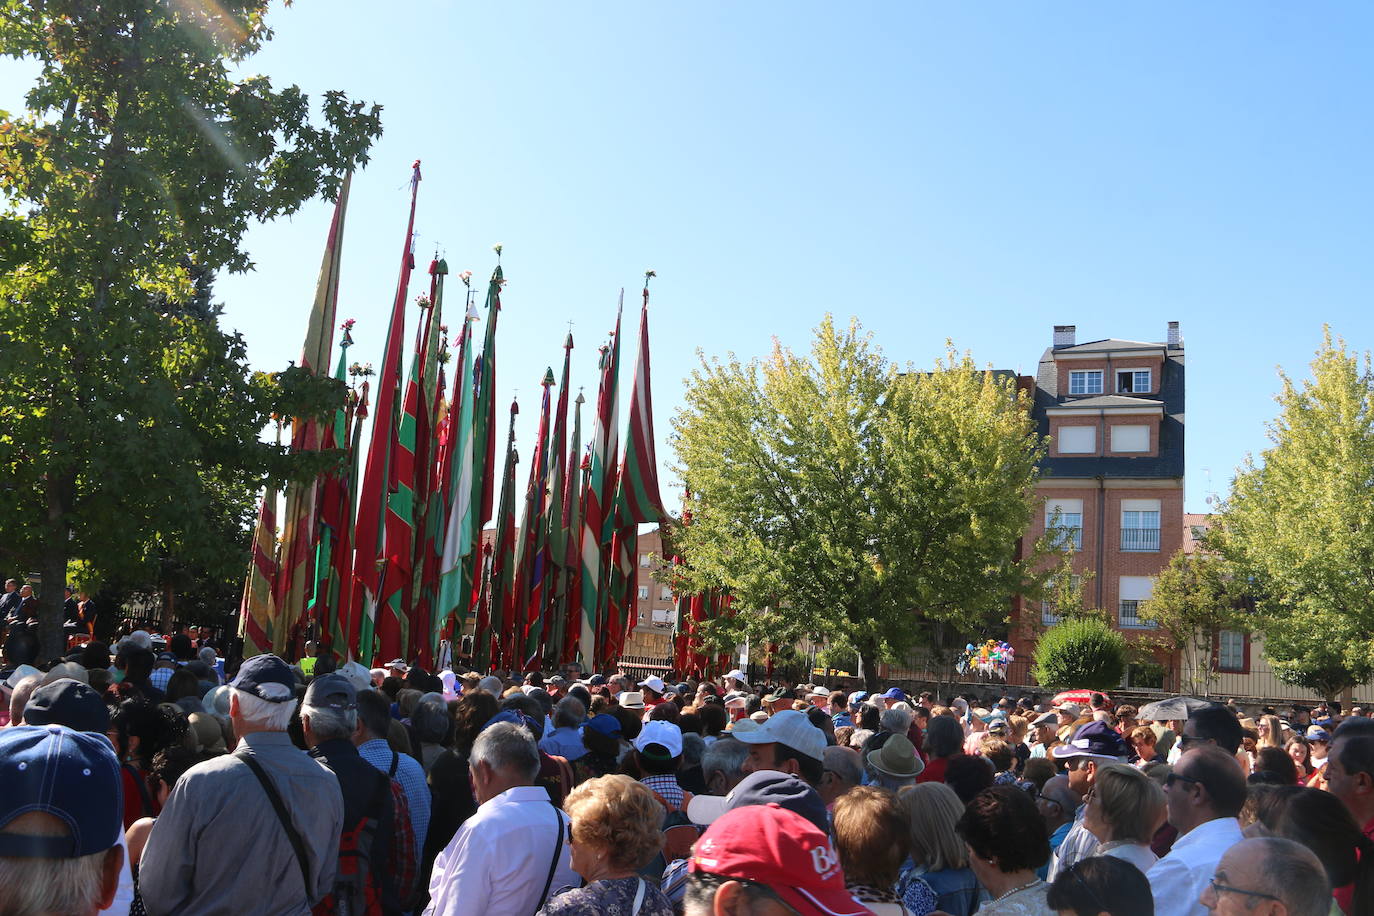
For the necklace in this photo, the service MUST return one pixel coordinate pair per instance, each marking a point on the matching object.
(1016, 890)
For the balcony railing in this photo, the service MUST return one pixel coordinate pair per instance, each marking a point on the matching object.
(1129, 617)
(1143, 539)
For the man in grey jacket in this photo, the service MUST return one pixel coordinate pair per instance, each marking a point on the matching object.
(220, 848)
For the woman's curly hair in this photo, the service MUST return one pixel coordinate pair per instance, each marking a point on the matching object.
(619, 815)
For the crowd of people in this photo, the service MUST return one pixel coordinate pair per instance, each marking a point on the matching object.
(137, 781)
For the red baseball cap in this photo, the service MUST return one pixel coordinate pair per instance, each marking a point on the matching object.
(780, 849)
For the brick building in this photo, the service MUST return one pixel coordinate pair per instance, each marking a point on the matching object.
(1111, 482)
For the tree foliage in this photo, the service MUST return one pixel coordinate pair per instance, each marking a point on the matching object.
(129, 420)
(1196, 597)
(1080, 652)
(841, 499)
(1299, 524)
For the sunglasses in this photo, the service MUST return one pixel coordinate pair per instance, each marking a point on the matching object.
(1179, 777)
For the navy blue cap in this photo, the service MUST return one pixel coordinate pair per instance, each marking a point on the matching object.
(604, 724)
(68, 774)
(597, 680)
(1096, 739)
(331, 691)
(515, 718)
(68, 702)
(764, 787)
(262, 670)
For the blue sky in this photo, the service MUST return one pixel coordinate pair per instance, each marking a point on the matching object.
(977, 172)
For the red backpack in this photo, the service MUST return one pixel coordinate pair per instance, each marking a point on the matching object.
(402, 864)
(356, 891)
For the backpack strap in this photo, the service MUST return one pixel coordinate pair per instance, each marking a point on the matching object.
(291, 833)
(395, 760)
(553, 863)
(142, 785)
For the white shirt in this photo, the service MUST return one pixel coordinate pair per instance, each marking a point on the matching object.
(1137, 854)
(1178, 879)
(499, 859)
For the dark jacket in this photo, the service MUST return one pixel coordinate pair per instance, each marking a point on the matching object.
(366, 793)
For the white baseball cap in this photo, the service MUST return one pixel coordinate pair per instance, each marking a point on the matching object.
(653, 683)
(737, 675)
(791, 728)
(659, 731)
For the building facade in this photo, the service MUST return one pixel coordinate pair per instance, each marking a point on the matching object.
(1110, 489)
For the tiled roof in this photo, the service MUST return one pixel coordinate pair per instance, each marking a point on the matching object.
(1111, 343)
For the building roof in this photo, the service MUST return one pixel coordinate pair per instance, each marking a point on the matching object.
(1167, 463)
(1106, 400)
(1109, 344)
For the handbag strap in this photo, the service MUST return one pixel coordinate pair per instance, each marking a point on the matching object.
(291, 834)
(639, 898)
(553, 863)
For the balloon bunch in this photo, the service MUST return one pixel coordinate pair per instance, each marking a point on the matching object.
(993, 657)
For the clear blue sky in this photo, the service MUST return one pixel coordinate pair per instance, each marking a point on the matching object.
(978, 172)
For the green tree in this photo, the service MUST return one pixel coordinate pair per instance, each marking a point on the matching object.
(1196, 597)
(1299, 524)
(842, 499)
(128, 416)
(1080, 652)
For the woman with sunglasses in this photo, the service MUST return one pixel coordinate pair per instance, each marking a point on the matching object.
(1101, 886)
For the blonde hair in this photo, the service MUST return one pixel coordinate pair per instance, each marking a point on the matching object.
(933, 809)
(1129, 801)
(621, 816)
(1275, 736)
(871, 836)
(1143, 733)
(1019, 725)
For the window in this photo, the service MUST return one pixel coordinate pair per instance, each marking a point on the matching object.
(1231, 651)
(1048, 615)
(1064, 522)
(1077, 440)
(665, 593)
(643, 561)
(1133, 381)
(1132, 592)
(1085, 381)
(644, 593)
(1140, 525)
(1130, 438)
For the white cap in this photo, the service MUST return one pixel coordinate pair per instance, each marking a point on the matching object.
(736, 701)
(819, 691)
(741, 726)
(492, 685)
(19, 674)
(398, 663)
(653, 683)
(792, 728)
(737, 675)
(631, 699)
(659, 731)
(357, 675)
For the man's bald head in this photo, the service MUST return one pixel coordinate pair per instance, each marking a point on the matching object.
(1281, 878)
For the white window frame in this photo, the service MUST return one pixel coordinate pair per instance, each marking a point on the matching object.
(643, 561)
(1135, 515)
(1131, 426)
(665, 593)
(1086, 377)
(1132, 592)
(1135, 380)
(1071, 535)
(644, 593)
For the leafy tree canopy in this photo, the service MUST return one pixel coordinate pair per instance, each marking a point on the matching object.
(1196, 597)
(1299, 524)
(128, 417)
(840, 498)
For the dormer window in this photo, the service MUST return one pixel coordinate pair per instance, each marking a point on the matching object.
(1129, 381)
(1085, 381)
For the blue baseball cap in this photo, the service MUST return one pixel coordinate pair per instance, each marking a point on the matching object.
(70, 775)
(765, 787)
(894, 693)
(604, 724)
(1096, 739)
(331, 691)
(515, 718)
(261, 670)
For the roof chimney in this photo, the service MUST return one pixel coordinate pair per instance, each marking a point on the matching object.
(1064, 335)
(1175, 339)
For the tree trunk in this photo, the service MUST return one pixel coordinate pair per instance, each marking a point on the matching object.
(52, 566)
(169, 601)
(868, 666)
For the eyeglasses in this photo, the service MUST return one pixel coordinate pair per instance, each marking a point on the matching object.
(1218, 888)
(1187, 740)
